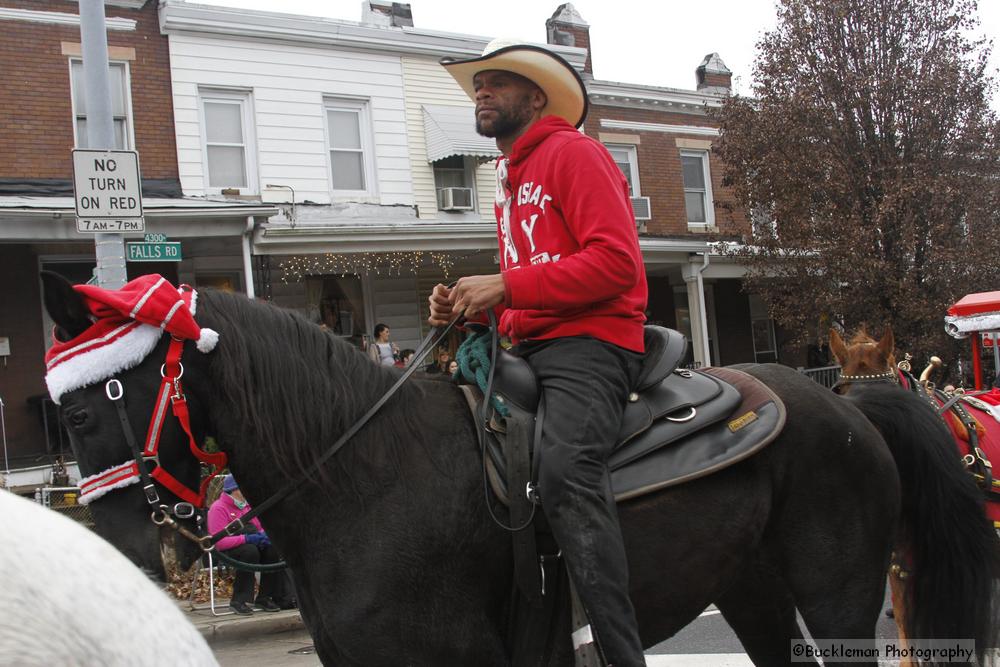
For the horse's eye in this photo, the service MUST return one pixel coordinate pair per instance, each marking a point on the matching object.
(78, 418)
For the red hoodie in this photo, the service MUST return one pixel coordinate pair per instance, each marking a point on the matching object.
(569, 254)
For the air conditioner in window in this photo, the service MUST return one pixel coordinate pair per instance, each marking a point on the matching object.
(455, 199)
(640, 206)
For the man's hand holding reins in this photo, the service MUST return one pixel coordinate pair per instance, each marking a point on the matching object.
(473, 295)
(440, 303)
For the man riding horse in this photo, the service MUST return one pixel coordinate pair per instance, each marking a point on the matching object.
(571, 294)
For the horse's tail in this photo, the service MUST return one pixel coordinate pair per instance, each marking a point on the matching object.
(953, 549)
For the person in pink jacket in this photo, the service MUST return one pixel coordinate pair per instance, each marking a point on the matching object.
(571, 294)
(254, 547)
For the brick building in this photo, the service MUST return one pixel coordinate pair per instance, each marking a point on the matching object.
(662, 139)
(42, 119)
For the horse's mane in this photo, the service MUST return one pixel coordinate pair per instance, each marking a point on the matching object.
(861, 337)
(868, 350)
(291, 386)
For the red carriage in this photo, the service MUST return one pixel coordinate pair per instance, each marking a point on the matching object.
(977, 432)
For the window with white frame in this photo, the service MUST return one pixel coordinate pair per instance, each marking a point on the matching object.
(227, 128)
(348, 132)
(121, 106)
(626, 158)
(697, 189)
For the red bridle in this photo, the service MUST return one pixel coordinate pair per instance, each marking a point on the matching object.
(130, 472)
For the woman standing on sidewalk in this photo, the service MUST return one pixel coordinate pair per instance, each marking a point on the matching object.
(383, 351)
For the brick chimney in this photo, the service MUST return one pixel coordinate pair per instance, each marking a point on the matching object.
(713, 75)
(567, 28)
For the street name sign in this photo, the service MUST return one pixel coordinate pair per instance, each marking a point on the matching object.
(144, 251)
(108, 191)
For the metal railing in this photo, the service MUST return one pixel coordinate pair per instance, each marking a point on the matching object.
(826, 375)
(63, 499)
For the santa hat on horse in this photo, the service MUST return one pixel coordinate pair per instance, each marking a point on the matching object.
(127, 325)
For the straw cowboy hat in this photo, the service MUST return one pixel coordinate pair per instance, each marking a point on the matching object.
(562, 85)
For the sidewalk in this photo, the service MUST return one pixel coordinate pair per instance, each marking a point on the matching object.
(232, 627)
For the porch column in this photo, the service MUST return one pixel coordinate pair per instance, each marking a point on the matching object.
(691, 273)
(247, 259)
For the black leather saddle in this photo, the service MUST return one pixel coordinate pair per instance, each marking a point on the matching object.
(514, 381)
(668, 407)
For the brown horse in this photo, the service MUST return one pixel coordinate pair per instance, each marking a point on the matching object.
(865, 361)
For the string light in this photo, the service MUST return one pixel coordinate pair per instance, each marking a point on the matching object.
(298, 267)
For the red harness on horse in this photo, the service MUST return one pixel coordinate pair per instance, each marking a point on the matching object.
(974, 421)
(131, 472)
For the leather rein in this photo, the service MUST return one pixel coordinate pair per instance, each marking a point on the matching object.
(171, 391)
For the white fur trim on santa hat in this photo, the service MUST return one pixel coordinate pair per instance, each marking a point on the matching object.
(207, 341)
(102, 361)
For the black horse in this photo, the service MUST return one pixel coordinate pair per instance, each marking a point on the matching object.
(394, 555)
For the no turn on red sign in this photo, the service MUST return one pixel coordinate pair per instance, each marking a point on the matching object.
(108, 191)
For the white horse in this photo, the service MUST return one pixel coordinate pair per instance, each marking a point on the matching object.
(68, 597)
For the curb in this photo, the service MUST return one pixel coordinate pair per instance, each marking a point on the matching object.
(218, 630)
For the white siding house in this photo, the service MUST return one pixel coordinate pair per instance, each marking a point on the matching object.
(429, 86)
(284, 95)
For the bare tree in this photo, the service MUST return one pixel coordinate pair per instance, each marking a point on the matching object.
(868, 157)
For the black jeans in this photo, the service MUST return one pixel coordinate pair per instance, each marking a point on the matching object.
(585, 383)
(273, 585)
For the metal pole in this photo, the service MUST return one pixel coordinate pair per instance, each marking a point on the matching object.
(109, 248)
(995, 339)
(702, 311)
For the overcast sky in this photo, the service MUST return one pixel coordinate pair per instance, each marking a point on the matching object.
(654, 42)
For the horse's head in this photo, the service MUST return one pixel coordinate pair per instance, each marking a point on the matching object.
(863, 359)
(107, 380)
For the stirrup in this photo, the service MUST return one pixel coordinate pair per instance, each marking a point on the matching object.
(531, 493)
